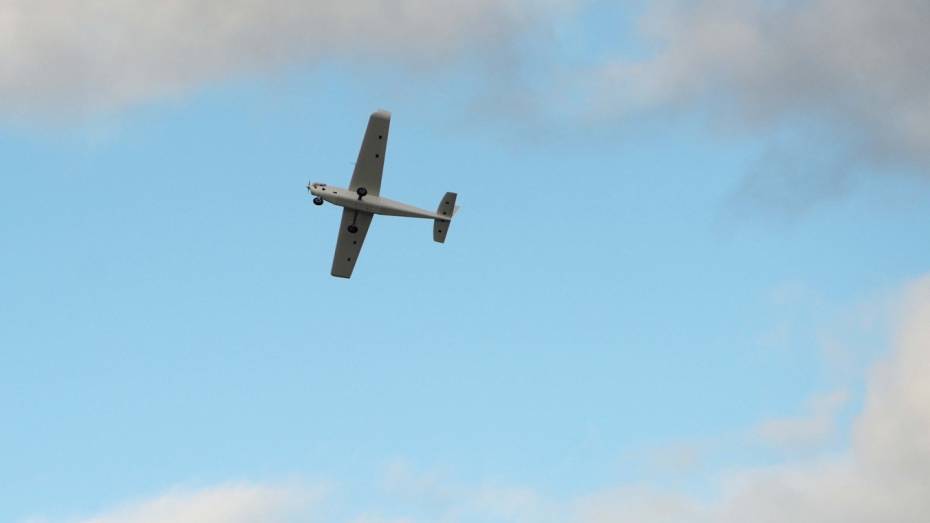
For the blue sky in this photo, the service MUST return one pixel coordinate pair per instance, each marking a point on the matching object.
(640, 294)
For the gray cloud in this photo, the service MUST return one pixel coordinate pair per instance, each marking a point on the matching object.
(848, 74)
(85, 56)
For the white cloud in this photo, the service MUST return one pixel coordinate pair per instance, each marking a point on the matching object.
(633, 505)
(234, 503)
(807, 431)
(379, 519)
(86, 55)
(883, 476)
(851, 72)
(676, 458)
(892, 434)
(452, 502)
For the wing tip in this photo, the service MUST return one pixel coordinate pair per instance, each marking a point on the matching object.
(382, 114)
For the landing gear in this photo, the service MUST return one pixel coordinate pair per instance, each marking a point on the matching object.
(318, 201)
(361, 191)
(352, 228)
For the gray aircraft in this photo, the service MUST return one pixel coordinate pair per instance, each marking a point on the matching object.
(362, 200)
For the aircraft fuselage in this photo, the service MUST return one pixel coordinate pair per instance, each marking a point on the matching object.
(370, 203)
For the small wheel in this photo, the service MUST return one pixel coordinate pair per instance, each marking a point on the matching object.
(361, 191)
(353, 229)
(318, 201)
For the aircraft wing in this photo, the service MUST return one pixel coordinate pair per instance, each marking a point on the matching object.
(349, 245)
(371, 156)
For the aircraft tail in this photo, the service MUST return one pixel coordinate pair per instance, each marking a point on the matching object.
(448, 208)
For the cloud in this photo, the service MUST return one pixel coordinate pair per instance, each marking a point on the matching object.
(75, 55)
(676, 458)
(807, 431)
(835, 84)
(453, 502)
(881, 477)
(891, 436)
(234, 503)
(378, 519)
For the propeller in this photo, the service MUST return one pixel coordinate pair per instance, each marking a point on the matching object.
(317, 200)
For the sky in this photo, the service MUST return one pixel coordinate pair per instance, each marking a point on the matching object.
(689, 281)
